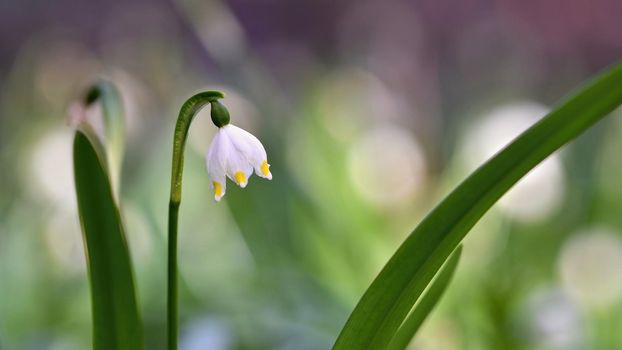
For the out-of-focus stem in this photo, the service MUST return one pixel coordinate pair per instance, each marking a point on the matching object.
(114, 126)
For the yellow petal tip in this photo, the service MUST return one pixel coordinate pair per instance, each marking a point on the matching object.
(240, 178)
(265, 170)
(217, 190)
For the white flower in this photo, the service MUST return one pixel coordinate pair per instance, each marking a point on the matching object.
(235, 153)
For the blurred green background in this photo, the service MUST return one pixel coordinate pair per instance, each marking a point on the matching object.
(370, 112)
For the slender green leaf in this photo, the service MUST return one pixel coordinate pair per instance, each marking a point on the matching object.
(392, 294)
(116, 322)
(428, 301)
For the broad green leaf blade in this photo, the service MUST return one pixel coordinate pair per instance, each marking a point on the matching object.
(428, 301)
(391, 295)
(116, 323)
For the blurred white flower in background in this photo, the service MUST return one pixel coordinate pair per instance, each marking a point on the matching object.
(554, 320)
(387, 166)
(538, 194)
(62, 343)
(590, 267)
(206, 333)
(51, 169)
(351, 99)
(51, 186)
(64, 244)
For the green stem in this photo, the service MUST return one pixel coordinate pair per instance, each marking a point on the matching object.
(188, 110)
(173, 329)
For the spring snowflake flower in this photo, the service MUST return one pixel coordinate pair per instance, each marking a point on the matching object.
(234, 153)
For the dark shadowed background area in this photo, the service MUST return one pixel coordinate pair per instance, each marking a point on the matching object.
(370, 112)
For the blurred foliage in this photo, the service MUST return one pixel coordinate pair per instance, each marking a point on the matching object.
(365, 121)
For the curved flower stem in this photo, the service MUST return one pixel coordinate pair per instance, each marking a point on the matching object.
(188, 110)
(114, 126)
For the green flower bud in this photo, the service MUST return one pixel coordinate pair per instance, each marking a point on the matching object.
(220, 114)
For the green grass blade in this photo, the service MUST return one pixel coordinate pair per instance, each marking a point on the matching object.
(424, 306)
(116, 322)
(392, 294)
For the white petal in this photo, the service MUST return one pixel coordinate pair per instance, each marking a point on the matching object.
(216, 165)
(237, 166)
(219, 188)
(251, 148)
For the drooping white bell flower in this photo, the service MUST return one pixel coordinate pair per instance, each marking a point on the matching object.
(235, 153)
